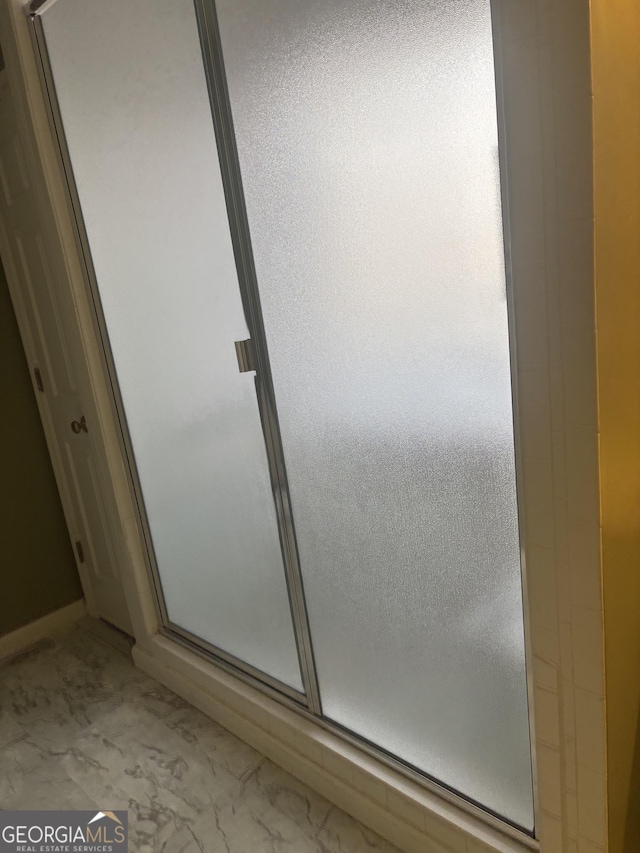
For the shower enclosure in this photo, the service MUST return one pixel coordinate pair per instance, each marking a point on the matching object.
(292, 224)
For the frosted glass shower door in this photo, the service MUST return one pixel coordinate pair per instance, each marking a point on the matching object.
(367, 141)
(132, 94)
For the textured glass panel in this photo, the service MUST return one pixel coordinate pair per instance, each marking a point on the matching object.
(368, 146)
(134, 101)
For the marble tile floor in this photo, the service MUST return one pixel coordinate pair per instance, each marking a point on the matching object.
(82, 728)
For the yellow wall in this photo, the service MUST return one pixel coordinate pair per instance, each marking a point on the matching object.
(616, 115)
(37, 569)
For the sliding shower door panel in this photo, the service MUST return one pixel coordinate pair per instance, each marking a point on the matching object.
(133, 98)
(367, 139)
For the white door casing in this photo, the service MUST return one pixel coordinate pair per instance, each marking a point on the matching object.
(31, 267)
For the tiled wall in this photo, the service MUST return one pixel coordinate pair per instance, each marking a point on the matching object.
(547, 80)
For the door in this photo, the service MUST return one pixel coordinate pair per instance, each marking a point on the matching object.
(141, 151)
(31, 270)
(307, 314)
(368, 150)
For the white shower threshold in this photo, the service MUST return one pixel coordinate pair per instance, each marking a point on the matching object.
(406, 813)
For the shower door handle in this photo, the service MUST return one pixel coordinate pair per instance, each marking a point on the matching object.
(245, 356)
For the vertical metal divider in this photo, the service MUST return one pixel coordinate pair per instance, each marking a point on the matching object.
(241, 238)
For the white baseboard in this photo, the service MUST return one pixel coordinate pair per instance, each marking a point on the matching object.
(408, 815)
(53, 623)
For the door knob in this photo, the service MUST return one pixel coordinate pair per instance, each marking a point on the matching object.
(79, 426)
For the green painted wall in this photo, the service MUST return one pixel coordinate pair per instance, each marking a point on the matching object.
(37, 569)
